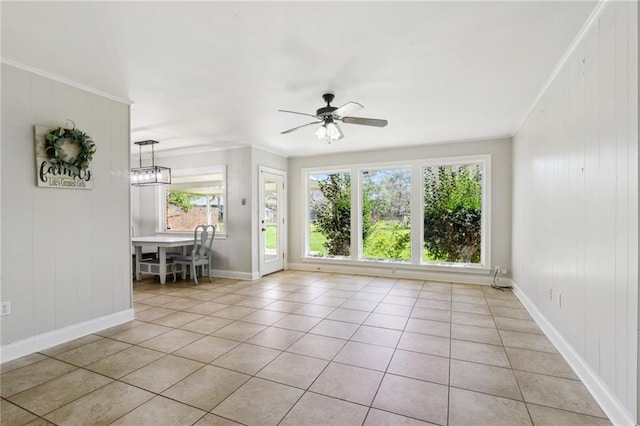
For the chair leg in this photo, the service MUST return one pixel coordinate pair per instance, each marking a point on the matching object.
(183, 271)
(209, 269)
(194, 271)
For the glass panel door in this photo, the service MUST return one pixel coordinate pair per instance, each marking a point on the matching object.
(271, 222)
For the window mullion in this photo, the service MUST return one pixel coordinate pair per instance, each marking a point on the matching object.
(356, 214)
(160, 197)
(417, 208)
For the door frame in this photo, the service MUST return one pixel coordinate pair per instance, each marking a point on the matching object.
(283, 210)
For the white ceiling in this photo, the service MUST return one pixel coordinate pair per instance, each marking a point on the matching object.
(210, 75)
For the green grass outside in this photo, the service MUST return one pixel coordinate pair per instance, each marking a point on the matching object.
(316, 243)
(271, 237)
(382, 230)
(381, 243)
(317, 240)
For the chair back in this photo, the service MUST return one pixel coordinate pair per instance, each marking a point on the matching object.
(203, 240)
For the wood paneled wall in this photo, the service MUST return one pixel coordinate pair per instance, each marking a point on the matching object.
(575, 201)
(65, 252)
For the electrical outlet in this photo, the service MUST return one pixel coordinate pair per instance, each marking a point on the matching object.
(5, 309)
(559, 300)
(503, 271)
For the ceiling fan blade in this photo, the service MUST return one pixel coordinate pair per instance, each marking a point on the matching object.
(300, 127)
(299, 113)
(347, 108)
(365, 121)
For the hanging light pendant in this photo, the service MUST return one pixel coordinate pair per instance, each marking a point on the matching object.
(150, 175)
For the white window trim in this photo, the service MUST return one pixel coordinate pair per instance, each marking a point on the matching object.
(358, 203)
(485, 227)
(305, 210)
(417, 213)
(161, 197)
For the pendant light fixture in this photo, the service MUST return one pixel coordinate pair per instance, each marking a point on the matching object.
(150, 175)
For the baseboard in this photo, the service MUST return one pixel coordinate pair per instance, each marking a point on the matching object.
(236, 275)
(609, 403)
(401, 271)
(52, 338)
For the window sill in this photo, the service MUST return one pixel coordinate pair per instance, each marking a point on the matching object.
(190, 234)
(386, 264)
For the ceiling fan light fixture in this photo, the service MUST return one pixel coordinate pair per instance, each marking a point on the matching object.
(329, 131)
(333, 131)
(321, 133)
(327, 117)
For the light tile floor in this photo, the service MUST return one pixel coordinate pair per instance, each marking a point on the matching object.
(298, 348)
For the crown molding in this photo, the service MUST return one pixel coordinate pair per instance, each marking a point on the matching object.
(595, 14)
(63, 80)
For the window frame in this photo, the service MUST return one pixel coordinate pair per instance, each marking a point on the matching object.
(306, 241)
(485, 226)
(360, 241)
(417, 213)
(161, 226)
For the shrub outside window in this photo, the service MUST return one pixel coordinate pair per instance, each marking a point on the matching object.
(443, 222)
(329, 214)
(452, 213)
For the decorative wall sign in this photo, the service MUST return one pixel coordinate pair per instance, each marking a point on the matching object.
(63, 158)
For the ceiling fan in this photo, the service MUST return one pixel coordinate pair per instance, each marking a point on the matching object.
(328, 117)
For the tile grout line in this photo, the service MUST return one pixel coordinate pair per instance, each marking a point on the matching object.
(308, 389)
(388, 362)
(308, 332)
(450, 357)
(526, 407)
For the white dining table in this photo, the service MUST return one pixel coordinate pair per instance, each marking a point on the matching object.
(161, 242)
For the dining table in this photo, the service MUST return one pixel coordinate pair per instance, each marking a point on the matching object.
(160, 266)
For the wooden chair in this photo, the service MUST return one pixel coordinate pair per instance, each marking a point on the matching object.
(200, 255)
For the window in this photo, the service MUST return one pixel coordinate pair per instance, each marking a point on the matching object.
(329, 214)
(194, 199)
(386, 214)
(427, 212)
(452, 213)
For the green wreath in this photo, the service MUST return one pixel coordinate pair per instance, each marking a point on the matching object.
(57, 157)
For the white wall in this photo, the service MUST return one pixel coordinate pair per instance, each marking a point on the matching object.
(236, 255)
(498, 149)
(65, 253)
(575, 208)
